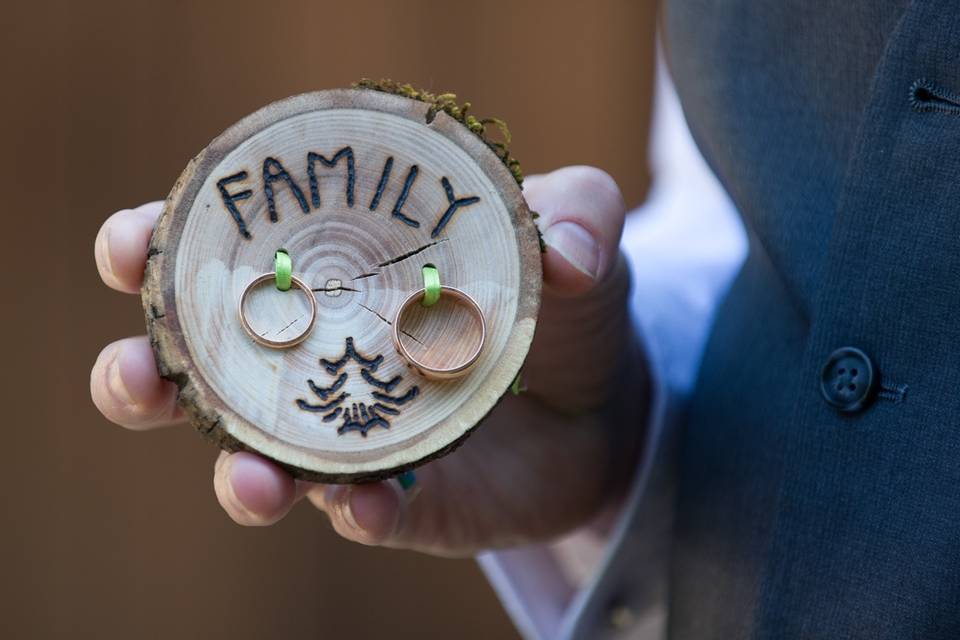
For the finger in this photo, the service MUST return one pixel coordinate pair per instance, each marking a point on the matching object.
(456, 507)
(581, 218)
(365, 513)
(128, 390)
(121, 246)
(254, 491)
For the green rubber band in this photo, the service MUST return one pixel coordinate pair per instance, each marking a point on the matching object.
(283, 266)
(431, 285)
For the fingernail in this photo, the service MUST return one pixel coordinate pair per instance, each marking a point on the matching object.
(103, 249)
(346, 511)
(115, 379)
(222, 458)
(336, 498)
(575, 244)
(231, 463)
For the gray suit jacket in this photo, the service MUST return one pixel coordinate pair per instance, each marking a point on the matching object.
(818, 471)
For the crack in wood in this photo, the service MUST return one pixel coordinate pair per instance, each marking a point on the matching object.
(406, 333)
(289, 324)
(410, 254)
(375, 313)
(335, 289)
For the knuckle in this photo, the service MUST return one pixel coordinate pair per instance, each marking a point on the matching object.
(114, 402)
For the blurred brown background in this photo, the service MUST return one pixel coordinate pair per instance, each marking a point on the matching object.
(111, 534)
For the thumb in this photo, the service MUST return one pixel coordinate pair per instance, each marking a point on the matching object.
(581, 218)
(583, 332)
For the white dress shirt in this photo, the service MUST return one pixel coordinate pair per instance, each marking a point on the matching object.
(684, 245)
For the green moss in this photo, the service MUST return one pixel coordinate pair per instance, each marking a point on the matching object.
(447, 102)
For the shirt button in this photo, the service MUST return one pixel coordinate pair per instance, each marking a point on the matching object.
(847, 380)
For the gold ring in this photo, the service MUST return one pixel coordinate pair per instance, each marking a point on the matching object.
(435, 373)
(278, 344)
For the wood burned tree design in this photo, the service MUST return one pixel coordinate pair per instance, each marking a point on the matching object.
(358, 416)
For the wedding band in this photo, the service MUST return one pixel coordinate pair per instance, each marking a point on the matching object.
(435, 373)
(277, 344)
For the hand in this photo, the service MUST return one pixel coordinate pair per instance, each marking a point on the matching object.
(541, 464)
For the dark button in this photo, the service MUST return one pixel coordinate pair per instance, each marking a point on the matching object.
(847, 380)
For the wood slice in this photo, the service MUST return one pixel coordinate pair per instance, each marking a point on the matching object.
(356, 185)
